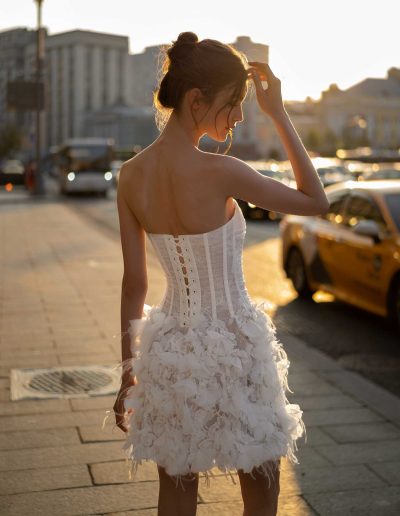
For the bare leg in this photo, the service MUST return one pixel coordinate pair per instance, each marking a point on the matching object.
(259, 498)
(172, 499)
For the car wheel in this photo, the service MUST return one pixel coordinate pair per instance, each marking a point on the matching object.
(394, 304)
(296, 272)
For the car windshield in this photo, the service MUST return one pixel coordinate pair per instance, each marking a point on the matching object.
(393, 202)
(89, 157)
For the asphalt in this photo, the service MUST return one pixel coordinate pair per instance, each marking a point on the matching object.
(59, 301)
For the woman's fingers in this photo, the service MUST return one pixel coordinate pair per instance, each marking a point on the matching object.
(263, 68)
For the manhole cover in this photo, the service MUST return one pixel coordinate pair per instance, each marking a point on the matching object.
(374, 362)
(64, 382)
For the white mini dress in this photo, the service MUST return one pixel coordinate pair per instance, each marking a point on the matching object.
(211, 375)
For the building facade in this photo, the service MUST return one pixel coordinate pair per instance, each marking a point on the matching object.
(85, 71)
(367, 113)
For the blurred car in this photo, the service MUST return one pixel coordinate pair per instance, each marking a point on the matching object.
(333, 174)
(352, 250)
(12, 171)
(383, 173)
(270, 169)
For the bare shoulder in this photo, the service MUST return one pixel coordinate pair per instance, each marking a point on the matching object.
(130, 169)
(228, 170)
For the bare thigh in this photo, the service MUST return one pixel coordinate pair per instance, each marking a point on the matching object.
(177, 499)
(260, 495)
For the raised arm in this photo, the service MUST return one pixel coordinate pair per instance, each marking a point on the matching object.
(244, 182)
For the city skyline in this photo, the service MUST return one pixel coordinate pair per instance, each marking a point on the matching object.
(309, 50)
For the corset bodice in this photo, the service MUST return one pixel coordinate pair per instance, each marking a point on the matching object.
(203, 271)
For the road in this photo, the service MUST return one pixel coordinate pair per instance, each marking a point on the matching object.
(358, 340)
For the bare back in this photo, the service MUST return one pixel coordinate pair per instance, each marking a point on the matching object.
(177, 193)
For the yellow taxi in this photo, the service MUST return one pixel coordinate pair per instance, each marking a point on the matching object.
(353, 250)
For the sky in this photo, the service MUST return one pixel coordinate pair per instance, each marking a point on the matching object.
(313, 43)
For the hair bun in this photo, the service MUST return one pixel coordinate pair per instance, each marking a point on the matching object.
(187, 38)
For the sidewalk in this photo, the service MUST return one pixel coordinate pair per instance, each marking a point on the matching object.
(60, 299)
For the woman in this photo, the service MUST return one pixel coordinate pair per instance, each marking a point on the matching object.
(204, 377)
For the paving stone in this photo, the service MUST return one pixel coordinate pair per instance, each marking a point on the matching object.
(37, 439)
(358, 453)
(327, 402)
(315, 437)
(309, 389)
(311, 358)
(70, 333)
(382, 501)
(296, 481)
(5, 395)
(94, 433)
(58, 350)
(33, 362)
(87, 359)
(44, 479)
(294, 506)
(389, 471)
(82, 500)
(95, 402)
(34, 407)
(221, 489)
(62, 420)
(308, 457)
(339, 416)
(303, 377)
(288, 506)
(118, 472)
(373, 395)
(362, 432)
(221, 508)
(25, 343)
(12, 460)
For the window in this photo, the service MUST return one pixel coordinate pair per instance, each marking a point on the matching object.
(393, 203)
(363, 207)
(336, 204)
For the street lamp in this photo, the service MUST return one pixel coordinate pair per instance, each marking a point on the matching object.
(39, 188)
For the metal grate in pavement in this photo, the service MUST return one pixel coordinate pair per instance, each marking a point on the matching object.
(64, 382)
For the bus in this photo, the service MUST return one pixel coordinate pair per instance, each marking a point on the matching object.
(84, 165)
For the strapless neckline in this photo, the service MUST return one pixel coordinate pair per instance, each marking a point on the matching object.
(199, 234)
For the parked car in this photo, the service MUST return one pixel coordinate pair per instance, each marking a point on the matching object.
(12, 171)
(383, 173)
(352, 250)
(270, 169)
(333, 174)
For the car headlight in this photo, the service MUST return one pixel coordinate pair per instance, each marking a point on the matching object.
(71, 176)
(108, 176)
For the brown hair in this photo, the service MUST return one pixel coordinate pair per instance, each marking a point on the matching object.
(208, 65)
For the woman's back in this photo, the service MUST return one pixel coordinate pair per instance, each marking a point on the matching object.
(176, 191)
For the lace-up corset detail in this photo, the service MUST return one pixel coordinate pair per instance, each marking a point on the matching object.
(204, 271)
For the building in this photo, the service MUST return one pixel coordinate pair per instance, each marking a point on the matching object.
(367, 113)
(13, 43)
(132, 128)
(144, 68)
(85, 71)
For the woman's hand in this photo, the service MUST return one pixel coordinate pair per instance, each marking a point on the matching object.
(270, 99)
(119, 407)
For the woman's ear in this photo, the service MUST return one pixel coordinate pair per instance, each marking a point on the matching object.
(194, 97)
